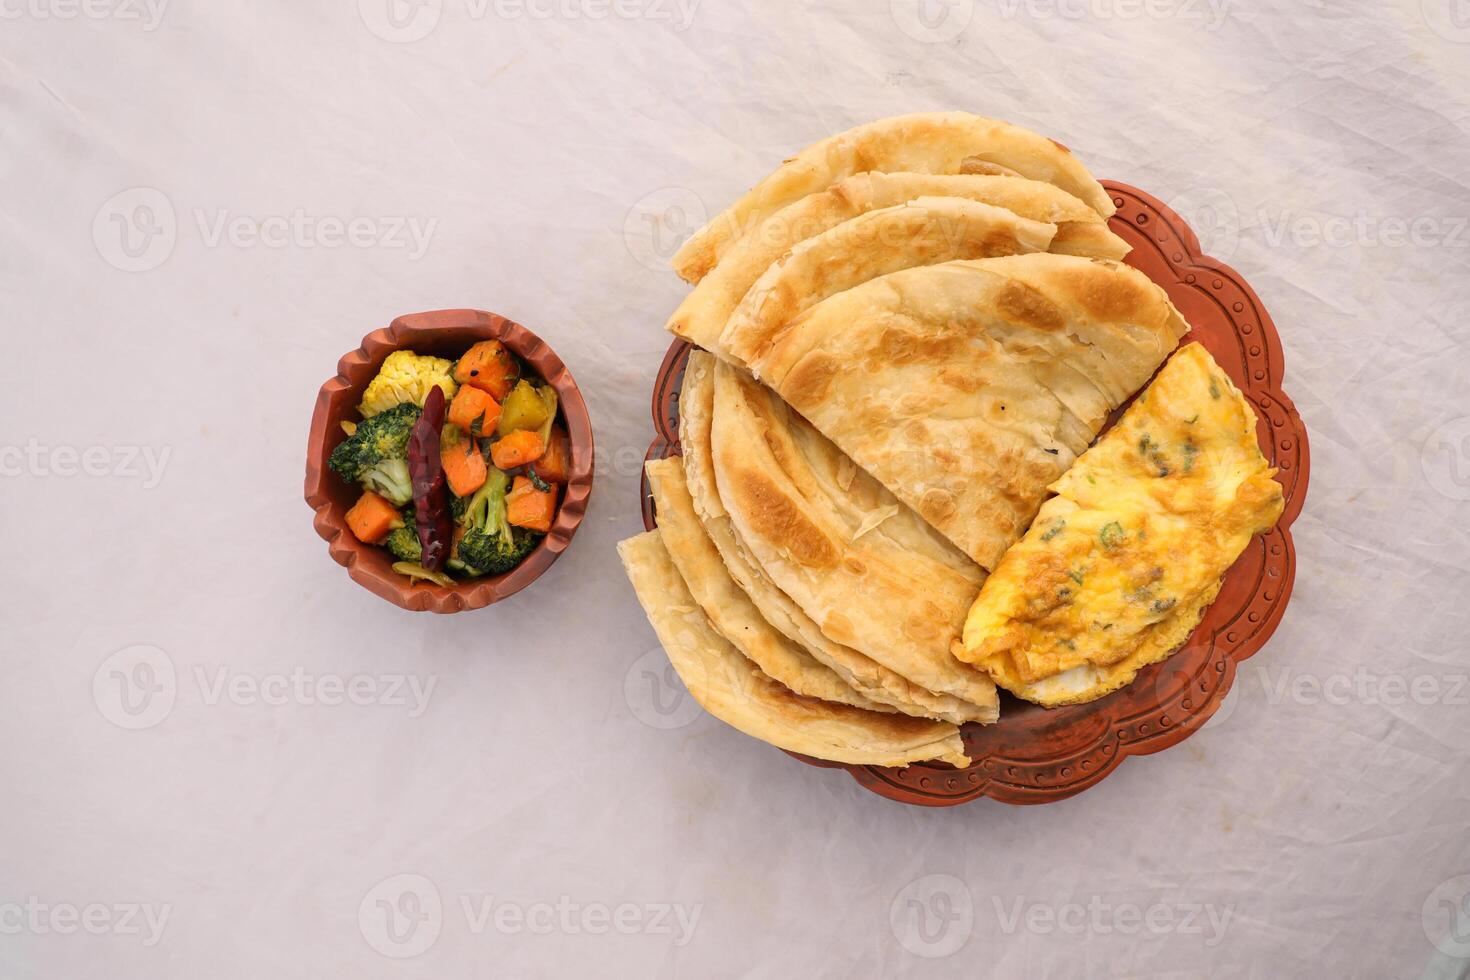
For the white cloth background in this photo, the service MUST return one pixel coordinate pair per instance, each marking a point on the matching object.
(551, 154)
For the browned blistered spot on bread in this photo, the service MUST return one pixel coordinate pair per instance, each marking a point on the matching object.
(897, 346)
(1020, 303)
(960, 380)
(778, 520)
(840, 194)
(1108, 293)
(1060, 146)
(916, 431)
(839, 628)
(924, 622)
(866, 155)
(937, 505)
(994, 245)
(809, 380)
(779, 304)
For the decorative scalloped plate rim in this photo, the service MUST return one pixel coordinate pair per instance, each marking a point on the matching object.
(440, 332)
(1039, 755)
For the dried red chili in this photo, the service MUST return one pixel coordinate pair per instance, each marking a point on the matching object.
(430, 492)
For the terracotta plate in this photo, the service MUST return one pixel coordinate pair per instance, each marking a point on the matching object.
(1035, 754)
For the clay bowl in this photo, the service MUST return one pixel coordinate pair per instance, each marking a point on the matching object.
(443, 333)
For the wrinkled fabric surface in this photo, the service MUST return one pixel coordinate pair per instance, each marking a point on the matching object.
(205, 722)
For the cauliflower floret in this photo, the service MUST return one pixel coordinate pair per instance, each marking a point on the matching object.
(407, 377)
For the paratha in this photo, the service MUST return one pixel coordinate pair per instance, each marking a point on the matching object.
(871, 679)
(1121, 563)
(967, 387)
(735, 691)
(866, 569)
(925, 231)
(930, 142)
(729, 608)
(701, 317)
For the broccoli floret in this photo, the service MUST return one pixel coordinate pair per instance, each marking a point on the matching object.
(457, 507)
(483, 553)
(403, 542)
(376, 455)
(490, 545)
(389, 478)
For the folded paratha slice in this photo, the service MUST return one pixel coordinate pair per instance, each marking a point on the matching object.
(930, 142)
(863, 674)
(967, 387)
(1121, 564)
(730, 610)
(734, 690)
(926, 231)
(866, 569)
(701, 317)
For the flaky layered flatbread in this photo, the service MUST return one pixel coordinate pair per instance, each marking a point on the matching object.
(862, 673)
(863, 567)
(728, 607)
(734, 690)
(931, 142)
(927, 231)
(967, 387)
(701, 317)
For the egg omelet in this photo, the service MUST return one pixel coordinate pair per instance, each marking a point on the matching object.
(1117, 569)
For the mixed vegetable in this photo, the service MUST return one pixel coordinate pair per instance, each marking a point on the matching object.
(460, 463)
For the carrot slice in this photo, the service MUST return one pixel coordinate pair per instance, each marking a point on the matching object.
(372, 517)
(489, 367)
(517, 449)
(464, 467)
(528, 507)
(554, 466)
(470, 405)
